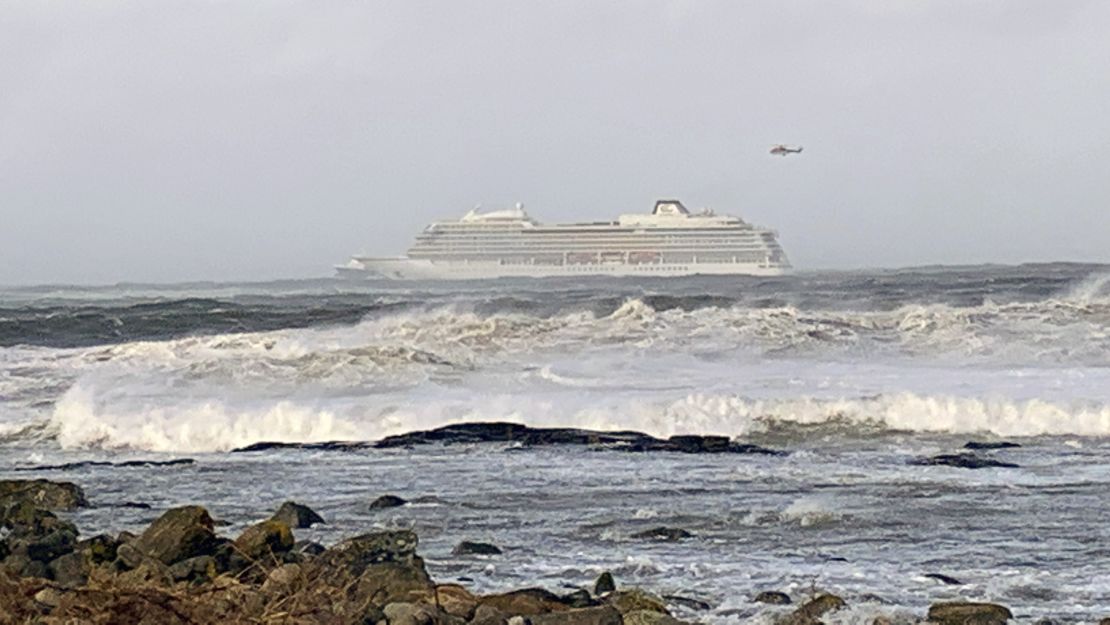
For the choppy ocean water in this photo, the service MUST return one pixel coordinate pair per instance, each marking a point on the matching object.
(855, 374)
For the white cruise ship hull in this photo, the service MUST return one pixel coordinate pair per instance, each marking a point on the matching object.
(419, 269)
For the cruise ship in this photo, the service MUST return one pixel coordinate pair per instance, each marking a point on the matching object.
(668, 241)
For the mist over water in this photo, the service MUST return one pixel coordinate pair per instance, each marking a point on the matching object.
(855, 374)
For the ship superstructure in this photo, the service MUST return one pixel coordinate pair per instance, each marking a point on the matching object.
(669, 241)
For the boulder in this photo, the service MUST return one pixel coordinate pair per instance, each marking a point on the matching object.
(99, 549)
(178, 534)
(70, 570)
(810, 612)
(406, 613)
(265, 540)
(772, 597)
(390, 582)
(44, 544)
(456, 600)
(387, 501)
(604, 584)
(669, 534)
(626, 601)
(197, 570)
(600, 615)
(21, 565)
(357, 553)
(968, 613)
(283, 578)
(297, 516)
(526, 602)
(468, 547)
(43, 494)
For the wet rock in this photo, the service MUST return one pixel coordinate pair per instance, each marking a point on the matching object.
(359, 552)
(265, 540)
(811, 611)
(579, 599)
(526, 602)
(138, 505)
(987, 445)
(70, 570)
(180, 533)
(297, 516)
(944, 579)
(467, 547)
(324, 446)
(599, 615)
(308, 547)
(966, 461)
(669, 534)
(688, 602)
(69, 466)
(43, 494)
(197, 570)
(968, 613)
(604, 584)
(387, 501)
(626, 601)
(497, 432)
(1105, 621)
(772, 597)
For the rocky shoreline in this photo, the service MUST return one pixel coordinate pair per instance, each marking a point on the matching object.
(180, 570)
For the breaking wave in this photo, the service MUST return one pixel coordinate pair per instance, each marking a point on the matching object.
(81, 420)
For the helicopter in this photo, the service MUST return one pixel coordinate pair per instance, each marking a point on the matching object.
(783, 150)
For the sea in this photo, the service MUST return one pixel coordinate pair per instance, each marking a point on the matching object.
(858, 376)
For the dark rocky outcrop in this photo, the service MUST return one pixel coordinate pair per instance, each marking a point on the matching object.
(43, 494)
(604, 584)
(773, 597)
(988, 445)
(468, 547)
(297, 516)
(968, 613)
(387, 501)
(469, 433)
(70, 466)
(668, 534)
(965, 461)
(325, 446)
(944, 579)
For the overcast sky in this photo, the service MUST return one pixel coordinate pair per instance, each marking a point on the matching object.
(164, 141)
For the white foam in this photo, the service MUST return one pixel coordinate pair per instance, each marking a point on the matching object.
(83, 419)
